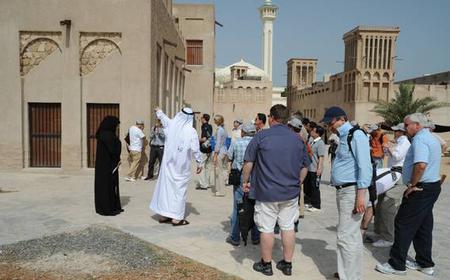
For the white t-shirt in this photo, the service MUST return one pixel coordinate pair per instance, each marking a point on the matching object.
(136, 139)
(399, 151)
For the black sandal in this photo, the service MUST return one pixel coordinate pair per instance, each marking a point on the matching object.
(181, 223)
(165, 221)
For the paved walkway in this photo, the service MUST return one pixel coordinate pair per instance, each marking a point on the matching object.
(40, 204)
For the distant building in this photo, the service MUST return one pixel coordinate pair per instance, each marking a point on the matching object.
(367, 77)
(242, 90)
(66, 65)
(441, 79)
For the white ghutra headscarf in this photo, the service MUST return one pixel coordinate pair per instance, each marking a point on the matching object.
(177, 132)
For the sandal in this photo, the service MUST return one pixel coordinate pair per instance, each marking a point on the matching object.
(180, 223)
(165, 221)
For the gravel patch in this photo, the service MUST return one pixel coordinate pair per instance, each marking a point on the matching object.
(97, 252)
(118, 247)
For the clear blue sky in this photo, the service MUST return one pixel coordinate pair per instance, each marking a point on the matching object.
(314, 29)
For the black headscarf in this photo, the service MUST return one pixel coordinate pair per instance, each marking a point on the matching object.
(109, 123)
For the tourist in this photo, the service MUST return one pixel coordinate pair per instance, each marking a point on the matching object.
(414, 220)
(107, 161)
(295, 124)
(351, 176)
(136, 136)
(389, 201)
(157, 139)
(309, 127)
(260, 121)
(378, 145)
(219, 159)
(236, 154)
(236, 130)
(432, 127)
(312, 180)
(278, 163)
(204, 178)
(181, 147)
(305, 133)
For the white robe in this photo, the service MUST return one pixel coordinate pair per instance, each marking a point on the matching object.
(181, 147)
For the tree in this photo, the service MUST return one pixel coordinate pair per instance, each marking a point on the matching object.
(403, 104)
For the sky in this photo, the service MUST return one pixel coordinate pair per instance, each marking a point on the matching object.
(314, 29)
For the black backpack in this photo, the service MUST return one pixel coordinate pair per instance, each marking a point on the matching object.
(372, 188)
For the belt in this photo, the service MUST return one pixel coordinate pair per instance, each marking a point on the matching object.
(345, 185)
(398, 169)
(158, 146)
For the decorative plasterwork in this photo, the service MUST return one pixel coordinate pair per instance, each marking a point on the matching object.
(96, 46)
(35, 47)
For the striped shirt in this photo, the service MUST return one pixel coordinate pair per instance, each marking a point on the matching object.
(236, 151)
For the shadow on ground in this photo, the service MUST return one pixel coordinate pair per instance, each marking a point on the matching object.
(124, 200)
(324, 259)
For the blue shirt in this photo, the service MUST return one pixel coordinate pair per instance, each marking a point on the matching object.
(427, 149)
(352, 166)
(221, 138)
(278, 155)
(236, 151)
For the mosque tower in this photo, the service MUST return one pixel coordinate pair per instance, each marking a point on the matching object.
(268, 13)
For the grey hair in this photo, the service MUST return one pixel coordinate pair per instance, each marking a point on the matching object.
(418, 118)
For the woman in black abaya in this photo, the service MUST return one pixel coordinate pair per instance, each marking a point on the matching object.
(107, 198)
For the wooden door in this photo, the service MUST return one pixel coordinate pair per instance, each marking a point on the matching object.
(45, 134)
(95, 114)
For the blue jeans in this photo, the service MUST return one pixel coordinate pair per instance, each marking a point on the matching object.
(238, 194)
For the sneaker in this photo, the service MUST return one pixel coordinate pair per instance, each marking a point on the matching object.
(263, 267)
(148, 178)
(313, 209)
(232, 242)
(201, 188)
(308, 206)
(386, 268)
(218, 194)
(381, 243)
(129, 179)
(285, 267)
(415, 266)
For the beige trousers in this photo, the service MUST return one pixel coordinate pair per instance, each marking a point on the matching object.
(135, 160)
(219, 175)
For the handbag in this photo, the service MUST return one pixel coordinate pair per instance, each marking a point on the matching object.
(234, 178)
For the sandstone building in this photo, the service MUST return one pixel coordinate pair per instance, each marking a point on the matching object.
(197, 25)
(66, 65)
(242, 89)
(368, 76)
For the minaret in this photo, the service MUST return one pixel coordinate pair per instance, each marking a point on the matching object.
(268, 13)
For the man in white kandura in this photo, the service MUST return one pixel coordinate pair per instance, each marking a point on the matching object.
(181, 146)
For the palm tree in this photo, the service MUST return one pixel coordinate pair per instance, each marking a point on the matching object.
(403, 104)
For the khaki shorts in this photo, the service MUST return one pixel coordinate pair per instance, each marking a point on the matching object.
(267, 214)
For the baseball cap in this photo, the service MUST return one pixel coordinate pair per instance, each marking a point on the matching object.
(248, 128)
(331, 113)
(296, 123)
(373, 127)
(399, 127)
(239, 121)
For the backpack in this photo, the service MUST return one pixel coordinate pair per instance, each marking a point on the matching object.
(372, 188)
